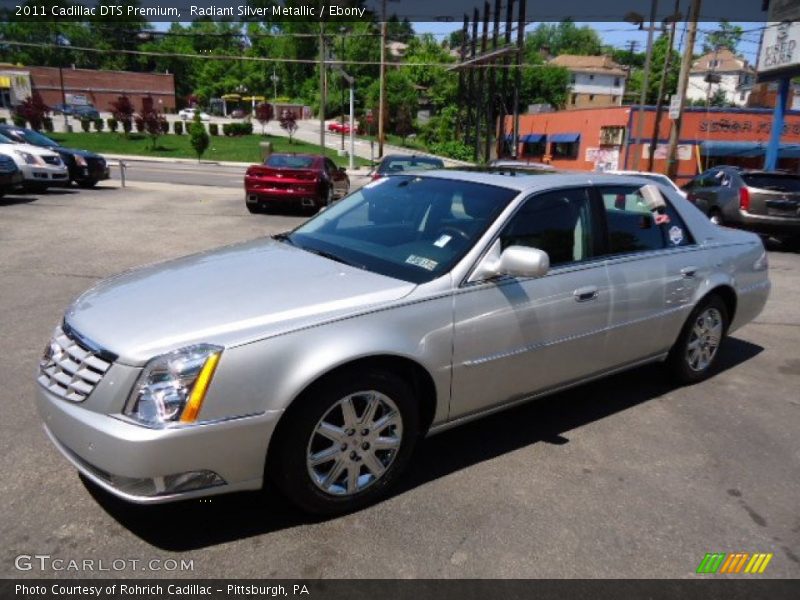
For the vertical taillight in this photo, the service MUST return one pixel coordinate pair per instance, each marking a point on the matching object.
(744, 199)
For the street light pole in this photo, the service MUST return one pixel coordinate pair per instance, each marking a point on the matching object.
(645, 83)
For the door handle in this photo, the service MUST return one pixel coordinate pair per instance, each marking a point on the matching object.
(688, 272)
(585, 294)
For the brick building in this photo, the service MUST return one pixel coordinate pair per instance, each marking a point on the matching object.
(99, 88)
(594, 139)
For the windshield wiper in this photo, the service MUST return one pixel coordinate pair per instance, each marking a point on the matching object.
(334, 257)
(284, 237)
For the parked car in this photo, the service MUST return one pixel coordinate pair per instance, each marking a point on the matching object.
(85, 168)
(766, 202)
(510, 164)
(187, 114)
(393, 164)
(343, 128)
(61, 109)
(306, 181)
(40, 167)
(657, 177)
(313, 361)
(85, 111)
(10, 175)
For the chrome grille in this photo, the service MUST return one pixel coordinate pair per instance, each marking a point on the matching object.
(70, 369)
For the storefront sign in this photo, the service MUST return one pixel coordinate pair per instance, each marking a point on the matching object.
(684, 152)
(780, 50)
(746, 126)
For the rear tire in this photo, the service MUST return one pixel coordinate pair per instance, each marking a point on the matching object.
(694, 354)
(361, 451)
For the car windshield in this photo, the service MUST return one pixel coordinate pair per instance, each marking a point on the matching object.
(773, 181)
(5, 140)
(36, 138)
(289, 162)
(410, 163)
(409, 228)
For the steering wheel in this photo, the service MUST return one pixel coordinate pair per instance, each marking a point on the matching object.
(454, 232)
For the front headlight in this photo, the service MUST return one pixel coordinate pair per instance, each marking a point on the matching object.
(80, 161)
(172, 387)
(28, 157)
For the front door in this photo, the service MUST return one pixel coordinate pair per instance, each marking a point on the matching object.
(514, 337)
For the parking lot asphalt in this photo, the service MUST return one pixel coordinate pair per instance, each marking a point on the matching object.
(626, 477)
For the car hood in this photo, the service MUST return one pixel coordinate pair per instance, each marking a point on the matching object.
(230, 296)
(29, 148)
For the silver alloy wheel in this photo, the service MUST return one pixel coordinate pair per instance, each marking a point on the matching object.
(329, 198)
(704, 339)
(354, 443)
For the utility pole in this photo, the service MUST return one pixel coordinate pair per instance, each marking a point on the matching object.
(382, 100)
(662, 86)
(683, 79)
(518, 73)
(322, 87)
(645, 83)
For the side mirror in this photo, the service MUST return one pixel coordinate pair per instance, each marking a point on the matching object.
(514, 261)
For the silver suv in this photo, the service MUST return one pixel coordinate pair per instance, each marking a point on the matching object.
(316, 359)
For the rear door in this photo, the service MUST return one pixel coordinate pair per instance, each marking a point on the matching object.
(654, 268)
(773, 194)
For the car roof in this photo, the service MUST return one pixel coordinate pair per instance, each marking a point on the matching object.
(532, 182)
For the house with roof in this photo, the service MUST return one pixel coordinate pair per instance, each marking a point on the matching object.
(595, 81)
(721, 70)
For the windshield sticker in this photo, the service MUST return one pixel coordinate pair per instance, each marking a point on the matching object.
(420, 261)
(675, 235)
(442, 241)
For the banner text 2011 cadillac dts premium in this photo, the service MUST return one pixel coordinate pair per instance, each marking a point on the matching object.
(313, 361)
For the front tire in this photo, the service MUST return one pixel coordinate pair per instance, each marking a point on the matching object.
(692, 358)
(345, 442)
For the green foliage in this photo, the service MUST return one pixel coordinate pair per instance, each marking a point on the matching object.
(177, 126)
(213, 129)
(400, 93)
(563, 38)
(86, 125)
(198, 136)
(113, 124)
(725, 36)
(453, 149)
(660, 47)
(3, 120)
(99, 124)
(18, 120)
(237, 129)
(544, 84)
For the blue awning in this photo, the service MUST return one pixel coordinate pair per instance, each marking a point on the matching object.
(533, 138)
(565, 138)
(746, 149)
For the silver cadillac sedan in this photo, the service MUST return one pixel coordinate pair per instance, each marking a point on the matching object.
(313, 361)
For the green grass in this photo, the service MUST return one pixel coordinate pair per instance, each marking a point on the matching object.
(222, 148)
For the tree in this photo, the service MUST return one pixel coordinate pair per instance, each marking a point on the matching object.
(122, 110)
(264, 115)
(198, 136)
(33, 110)
(288, 123)
(660, 47)
(152, 120)
(563, 38)
(399, 92)
(726, 36)
(404, 125)
(544, 84)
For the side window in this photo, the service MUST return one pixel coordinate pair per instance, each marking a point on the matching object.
(560, 223)
(633, 227)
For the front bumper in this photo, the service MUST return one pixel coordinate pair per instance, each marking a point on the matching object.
(115, 454)
(39, 175)
(92, 172)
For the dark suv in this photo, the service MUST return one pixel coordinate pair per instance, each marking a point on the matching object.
(766, 202)
(85, 168)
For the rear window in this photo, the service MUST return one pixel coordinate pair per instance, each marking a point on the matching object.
(290, 162)
(771, 181)
(401, 165)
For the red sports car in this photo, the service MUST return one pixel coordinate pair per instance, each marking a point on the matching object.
(307, 181)
(339, 127)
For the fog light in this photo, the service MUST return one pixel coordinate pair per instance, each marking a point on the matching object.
(185, 482)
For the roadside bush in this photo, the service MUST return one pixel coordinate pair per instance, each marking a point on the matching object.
(199, 137)
(139, 122)
(3, 121)
(113, 124)
(86, 124)
(452, 149)
(164, 125)
(178, 127)
(213, 129)
(19, 121)
(236, 129)
(99, 125)
(47, 123)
